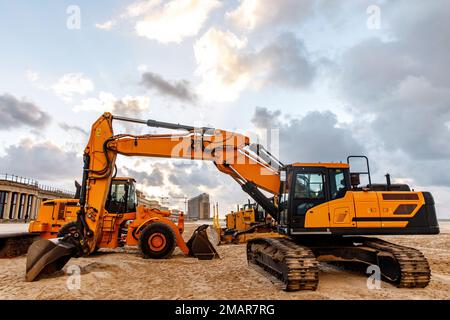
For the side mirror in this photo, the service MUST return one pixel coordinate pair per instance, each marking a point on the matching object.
(283, 176)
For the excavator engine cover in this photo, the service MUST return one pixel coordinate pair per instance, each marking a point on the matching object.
(200, 246)
(48, 256)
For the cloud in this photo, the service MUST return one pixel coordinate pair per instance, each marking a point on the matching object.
(316, 137)
(252, 14)
(401, 83)
(155, 178)
(32, 76)
(107, 102)
(42, 161)
(177, 89)
(223, 73)
(175, 178)
(107, 25)
(172, 21)
(71, 84)
(227, 66)
(68, 127)
(139, 8)
(284, 62)
(195, 176)
(15, 113)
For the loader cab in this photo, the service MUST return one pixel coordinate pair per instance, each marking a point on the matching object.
(122, 196)
(307, 185)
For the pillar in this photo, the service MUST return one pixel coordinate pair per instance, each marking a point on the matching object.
(37, 205)
(33, 208)
(25, 207)
(16, 209)
(8, 205)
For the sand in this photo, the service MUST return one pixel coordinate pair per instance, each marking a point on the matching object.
(123, 274)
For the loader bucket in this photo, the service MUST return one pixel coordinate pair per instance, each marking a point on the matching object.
(200, 246)
(47, 256)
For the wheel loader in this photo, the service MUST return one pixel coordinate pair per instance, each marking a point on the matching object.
(125, 223)
(322, 209)
(53, 215)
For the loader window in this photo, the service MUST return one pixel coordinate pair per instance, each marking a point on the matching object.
(131, 205)
(121, 198)
(117, 199)
(309, 186)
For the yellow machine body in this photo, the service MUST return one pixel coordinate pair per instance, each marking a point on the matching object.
(53, 214)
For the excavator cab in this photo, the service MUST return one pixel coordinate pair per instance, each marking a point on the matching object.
(330, 199)
(308, 185)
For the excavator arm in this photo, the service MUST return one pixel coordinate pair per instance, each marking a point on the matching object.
(253, 167)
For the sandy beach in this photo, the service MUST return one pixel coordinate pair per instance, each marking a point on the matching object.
(123, 274)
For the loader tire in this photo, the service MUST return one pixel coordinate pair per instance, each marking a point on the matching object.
(157, 241)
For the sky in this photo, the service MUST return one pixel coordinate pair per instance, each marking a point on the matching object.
(333, 78)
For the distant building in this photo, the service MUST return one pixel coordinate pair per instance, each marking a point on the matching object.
(20, 198)
(199, 207)
(143, 200)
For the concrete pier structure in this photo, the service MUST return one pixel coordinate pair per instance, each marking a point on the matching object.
(20, 197)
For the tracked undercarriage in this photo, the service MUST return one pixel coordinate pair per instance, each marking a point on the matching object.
(292, 263)
(295, 262)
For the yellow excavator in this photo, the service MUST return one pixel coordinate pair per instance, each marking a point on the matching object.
(322, 208)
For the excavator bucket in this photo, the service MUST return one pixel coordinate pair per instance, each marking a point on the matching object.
(47, 256)
(200, 246)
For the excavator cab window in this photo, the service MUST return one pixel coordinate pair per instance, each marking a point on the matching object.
(338, 183)
(308, 189)
(309, 186)
(283, 205)
(122, 197)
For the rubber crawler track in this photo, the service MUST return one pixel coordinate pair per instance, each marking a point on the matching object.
(293, 264)
(414, 268)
